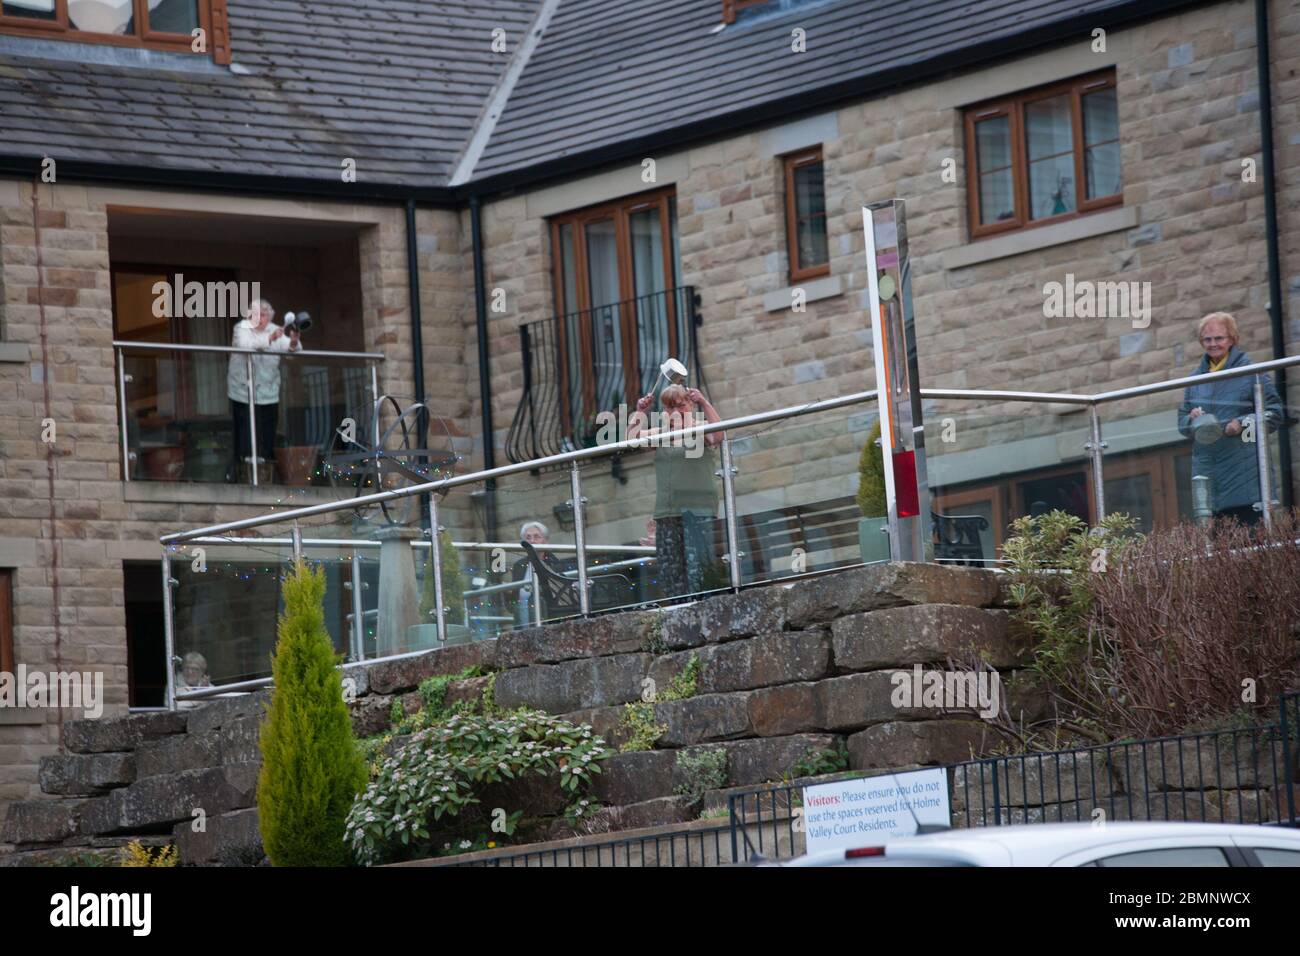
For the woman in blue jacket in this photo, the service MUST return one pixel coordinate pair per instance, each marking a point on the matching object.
(1224, 446)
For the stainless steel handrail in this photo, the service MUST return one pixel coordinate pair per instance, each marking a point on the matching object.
(581, 454)
(1095, 446)
(418, 543)
(759, 418)
(299, 353)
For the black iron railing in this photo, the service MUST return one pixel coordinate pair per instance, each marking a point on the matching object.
(584, 363)
(1246, 775)
(710, 846)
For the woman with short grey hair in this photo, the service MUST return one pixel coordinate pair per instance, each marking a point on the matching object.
(1219, 417)
(536, 534)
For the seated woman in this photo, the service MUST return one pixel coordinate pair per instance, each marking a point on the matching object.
(536, 534)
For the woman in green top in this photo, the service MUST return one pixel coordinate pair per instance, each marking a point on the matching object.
(686, 499)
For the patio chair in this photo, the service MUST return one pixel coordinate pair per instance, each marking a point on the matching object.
(559, 594)
(957, 538)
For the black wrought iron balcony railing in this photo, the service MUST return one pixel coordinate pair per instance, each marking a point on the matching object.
(591, 361)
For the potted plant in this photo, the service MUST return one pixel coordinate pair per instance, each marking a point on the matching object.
(873, 537)
(422, 636)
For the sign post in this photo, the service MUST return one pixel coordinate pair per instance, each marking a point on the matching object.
(893, 335)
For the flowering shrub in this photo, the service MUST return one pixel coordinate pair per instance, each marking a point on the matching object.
(429, 789)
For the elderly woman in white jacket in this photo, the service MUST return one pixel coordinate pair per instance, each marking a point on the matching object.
(256, 331)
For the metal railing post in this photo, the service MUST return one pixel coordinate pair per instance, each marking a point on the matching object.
(252, 421)
(435, 550)
(1096, 446)
(1261, 455)
(122, 379)
(580, 537)
(297, 543)
(727, 473)
(1288, 759)
(169, 633)
(358, 620)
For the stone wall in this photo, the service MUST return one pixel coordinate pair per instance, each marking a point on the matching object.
(68, 518)
(787, 672)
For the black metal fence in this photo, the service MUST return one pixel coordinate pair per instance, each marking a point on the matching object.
(707, 846)
(578, 365)
(1246, 775)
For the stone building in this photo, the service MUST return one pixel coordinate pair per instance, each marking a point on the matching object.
(552, 196)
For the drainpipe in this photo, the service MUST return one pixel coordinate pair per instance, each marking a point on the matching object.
(417, 337)
(484, 366)
(1271, 232)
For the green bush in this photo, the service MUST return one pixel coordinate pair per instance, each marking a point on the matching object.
(638, 727)
(871, 477)
(701, 771)
(684, 681)
(1051, 562)
(453, 584)
(311, 770)
(428, 793)
(818, 763)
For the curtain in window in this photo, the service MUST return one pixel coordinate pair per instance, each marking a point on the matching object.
(606, 335)
(209, 368)
(651, 309)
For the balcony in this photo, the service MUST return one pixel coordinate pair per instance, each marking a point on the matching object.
(178, 422)
(580, 364)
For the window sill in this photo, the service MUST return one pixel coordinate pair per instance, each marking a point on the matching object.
(1044, 237)
(15, 352)
(814, 289)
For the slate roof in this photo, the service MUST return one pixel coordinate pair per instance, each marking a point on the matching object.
(399, 85)
(396, 85)
(609, 73)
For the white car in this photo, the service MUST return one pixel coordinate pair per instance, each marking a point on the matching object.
(1077, 844)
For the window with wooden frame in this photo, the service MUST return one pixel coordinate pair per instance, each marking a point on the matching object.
(174, 25)
(619, 314)
(805, 215)
(1043, 156)
(6, 620)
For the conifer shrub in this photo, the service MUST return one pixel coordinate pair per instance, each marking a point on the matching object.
(311, 771)
(871, 477)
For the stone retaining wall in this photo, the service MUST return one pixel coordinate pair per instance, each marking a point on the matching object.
(787, 671)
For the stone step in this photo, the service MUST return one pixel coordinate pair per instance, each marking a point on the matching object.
(157, 803)
(86, 775)
(636, 777)
(661, 811)
(43, 821)
(120, 734)
(228, 839)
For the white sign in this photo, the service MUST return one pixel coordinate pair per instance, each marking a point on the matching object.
(867, 812)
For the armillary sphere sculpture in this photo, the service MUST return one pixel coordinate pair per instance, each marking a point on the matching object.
(390, 461)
